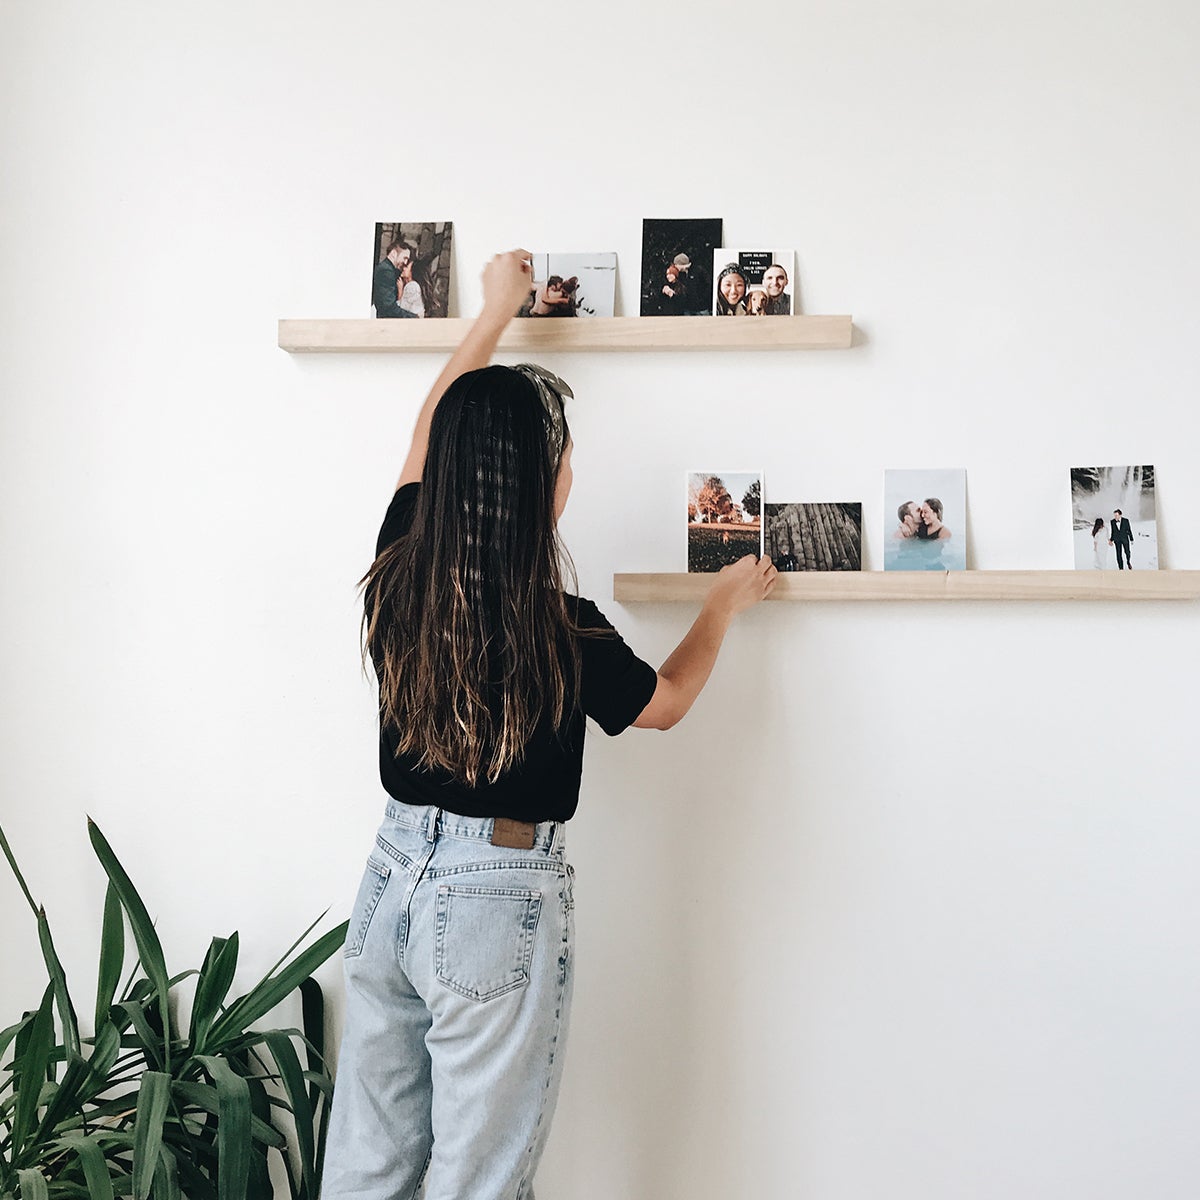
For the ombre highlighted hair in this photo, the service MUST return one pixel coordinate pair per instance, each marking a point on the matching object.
(465, 618)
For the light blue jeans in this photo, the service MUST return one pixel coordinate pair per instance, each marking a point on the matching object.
(459, 964)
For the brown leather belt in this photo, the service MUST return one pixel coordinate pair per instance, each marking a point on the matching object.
(513, 835)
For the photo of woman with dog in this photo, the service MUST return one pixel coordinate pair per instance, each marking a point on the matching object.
(752, 283)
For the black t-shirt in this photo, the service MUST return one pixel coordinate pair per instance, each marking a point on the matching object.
(615, 686)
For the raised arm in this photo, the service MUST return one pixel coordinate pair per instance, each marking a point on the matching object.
(506, 282)
(682, 677)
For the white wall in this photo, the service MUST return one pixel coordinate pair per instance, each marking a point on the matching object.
(908, 906)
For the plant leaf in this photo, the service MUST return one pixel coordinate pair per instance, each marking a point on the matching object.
(189, 1158)
(12, 1032)
(31, 1066)
(285, 1057)
(261, 999)
(69, 1096)
(233, 1128)
(106, 1045)
(144, 933)
(203, 1095)
(58, 977)
(216, 977)
(112, 953)
(312, 1002)
(33, 1184)
(12, 862)
(147, 1036)
(95, 1168)
(166, 1178)
(154, 1094)
(260, 1170)
(288, 952)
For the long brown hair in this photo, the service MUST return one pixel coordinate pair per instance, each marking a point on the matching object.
(465, 618)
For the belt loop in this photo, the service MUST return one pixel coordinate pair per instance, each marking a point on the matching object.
(431, 822)
(554, 836)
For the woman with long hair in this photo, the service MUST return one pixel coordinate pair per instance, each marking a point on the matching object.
(931, 527)
(459, 959)
(418, 287)
(1100, 544)
(730, 299)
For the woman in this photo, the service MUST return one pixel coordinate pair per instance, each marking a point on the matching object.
(731, 292)
(459, 957)
(1099, 545)
(418, 286)
(931, 528)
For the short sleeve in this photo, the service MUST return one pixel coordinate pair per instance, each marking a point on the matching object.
(399, 517)
(615, 684)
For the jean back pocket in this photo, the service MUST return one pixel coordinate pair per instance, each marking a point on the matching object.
(374, 880)
(485, 938)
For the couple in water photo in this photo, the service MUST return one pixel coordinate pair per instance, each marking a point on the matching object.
(922, 520)
(929, 534)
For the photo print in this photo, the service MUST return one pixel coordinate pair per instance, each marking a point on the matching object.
(925, 514)
(724, 510)
(676, 255)
(753, 283)
(572, 285)
(411, 269)
(1114, 518)
(813, 537)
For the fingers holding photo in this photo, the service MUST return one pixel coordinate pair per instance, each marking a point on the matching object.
(506, 281)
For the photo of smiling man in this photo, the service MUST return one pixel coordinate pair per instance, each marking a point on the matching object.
(753, 283)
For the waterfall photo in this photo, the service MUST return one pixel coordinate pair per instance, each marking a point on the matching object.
(1115, 524)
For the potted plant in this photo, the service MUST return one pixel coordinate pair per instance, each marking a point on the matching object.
(144, 1108)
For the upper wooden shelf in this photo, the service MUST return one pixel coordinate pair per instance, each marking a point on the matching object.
(930, 585)
(584, 333)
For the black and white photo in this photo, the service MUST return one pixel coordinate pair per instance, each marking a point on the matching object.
(1114, 518)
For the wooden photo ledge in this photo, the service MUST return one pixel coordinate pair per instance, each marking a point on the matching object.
(929, 585)
(583, 333)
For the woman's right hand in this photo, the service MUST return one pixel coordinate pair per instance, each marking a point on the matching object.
(742, 584)
(506, 283)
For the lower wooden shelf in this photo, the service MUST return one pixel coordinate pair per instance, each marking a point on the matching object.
(929, 585)
(372, 335)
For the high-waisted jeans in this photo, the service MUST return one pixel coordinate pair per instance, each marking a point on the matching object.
(459, 964)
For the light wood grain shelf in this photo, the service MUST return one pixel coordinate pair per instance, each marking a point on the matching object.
(585, 333)
(929, 585)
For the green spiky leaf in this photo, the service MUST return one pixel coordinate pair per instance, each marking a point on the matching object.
(112, 954)
(144, 933)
